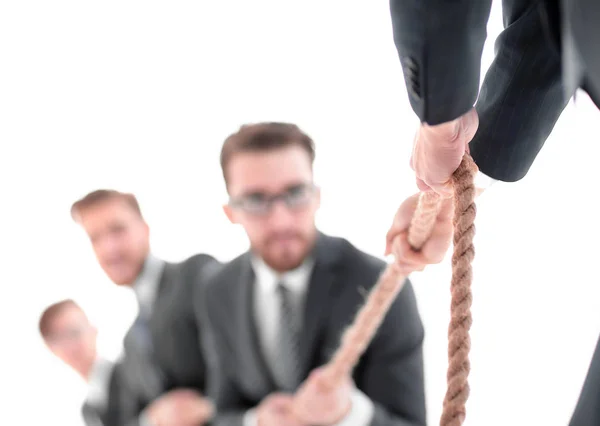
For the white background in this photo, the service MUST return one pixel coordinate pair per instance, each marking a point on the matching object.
(138, 96)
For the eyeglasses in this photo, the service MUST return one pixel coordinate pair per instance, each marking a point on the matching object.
(260, 204)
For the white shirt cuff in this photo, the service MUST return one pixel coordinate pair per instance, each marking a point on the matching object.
(483, 181)
(250, 418)
(361, 412)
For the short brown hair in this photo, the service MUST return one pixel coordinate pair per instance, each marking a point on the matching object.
(101, 195)
(264, 137)
(52, 312)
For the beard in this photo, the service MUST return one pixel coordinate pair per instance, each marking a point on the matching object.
(286, 252)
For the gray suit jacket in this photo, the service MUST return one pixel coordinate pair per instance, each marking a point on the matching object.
(390, 373)
(112, 413)
(177, 358)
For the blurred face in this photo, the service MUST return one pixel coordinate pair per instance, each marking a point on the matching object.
(73, 339)
(120, 239)
(272, 196)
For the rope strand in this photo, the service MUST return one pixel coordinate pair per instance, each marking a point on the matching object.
(459, 341)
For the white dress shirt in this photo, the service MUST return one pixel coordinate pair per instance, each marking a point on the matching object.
(145, 288)
(147, 282)
(266, 314)
(98, 386)
(483, 181)
(99, 382)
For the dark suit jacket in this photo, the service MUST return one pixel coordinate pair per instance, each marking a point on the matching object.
(521, 97)
(587, 411)
(581, 18)
(177, 359)
(522, 94)
(111, 415)
(390, 373)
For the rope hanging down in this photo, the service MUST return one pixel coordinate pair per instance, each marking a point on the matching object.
(358, 337)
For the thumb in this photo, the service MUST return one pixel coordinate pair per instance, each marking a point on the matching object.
(317, 374)
(422, 185)
(203, 408)
(445, 132)
(469, 124)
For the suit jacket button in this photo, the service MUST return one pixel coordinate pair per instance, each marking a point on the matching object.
(410, 64)
(413, 92)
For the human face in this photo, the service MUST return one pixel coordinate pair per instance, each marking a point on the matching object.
(73, 339)
(120, 238)
(272, 196)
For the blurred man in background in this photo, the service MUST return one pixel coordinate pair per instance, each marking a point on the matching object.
(278, 311)
(70, 336)
(163, 359)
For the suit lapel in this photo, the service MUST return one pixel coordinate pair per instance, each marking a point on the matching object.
(254, 362)
(162, 301)
(318, 300)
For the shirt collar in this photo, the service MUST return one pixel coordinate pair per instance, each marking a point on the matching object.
(295, 280)
(98, 381)
(146, 284)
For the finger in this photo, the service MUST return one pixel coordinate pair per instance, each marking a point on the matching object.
(317, 373)
(291, 419)
(185, 393)
(432, 252)
(423, 186)
(207, 409)
(469, 125)
(198, 412)
(446, 212)
(438, 244)
(408, 268)
(404, 252)
(444, 190)
(403, 216)
(280, 402)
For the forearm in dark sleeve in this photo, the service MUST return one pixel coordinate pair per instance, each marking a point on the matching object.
(521, 97)
(440, 44)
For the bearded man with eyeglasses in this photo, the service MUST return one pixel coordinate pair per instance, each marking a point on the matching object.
(276, 313)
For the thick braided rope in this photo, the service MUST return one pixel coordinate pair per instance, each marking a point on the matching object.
(359, 335)
(459, 341)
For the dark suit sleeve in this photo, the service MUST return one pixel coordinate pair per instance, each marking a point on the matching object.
(522, 94)
(130, 405)
(440, 45)
(391, 374)
(122, 407)
(587, 411)
(185, 367)
(228, 401)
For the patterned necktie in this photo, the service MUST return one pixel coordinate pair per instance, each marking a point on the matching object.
(144, 373)
(287, 366)
(140, 330)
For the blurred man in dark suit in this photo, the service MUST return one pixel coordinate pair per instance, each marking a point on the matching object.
(163, 359)
(70, 336)
(277, 312)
